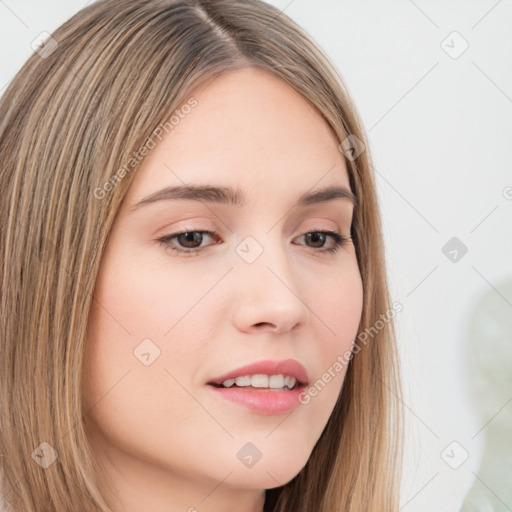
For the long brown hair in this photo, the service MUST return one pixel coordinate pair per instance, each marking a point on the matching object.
(79, 109)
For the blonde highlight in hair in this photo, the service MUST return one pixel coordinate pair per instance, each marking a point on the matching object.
(68, 123)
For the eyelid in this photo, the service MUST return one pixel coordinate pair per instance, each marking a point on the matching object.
(339, 239)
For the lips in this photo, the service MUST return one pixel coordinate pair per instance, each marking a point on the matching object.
(289, 367)
(256, 397)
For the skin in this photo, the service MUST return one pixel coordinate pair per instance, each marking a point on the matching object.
(166, 441)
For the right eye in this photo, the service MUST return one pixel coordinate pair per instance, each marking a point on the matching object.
(190, 240)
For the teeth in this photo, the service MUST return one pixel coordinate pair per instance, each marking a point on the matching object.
(259, 381)
(243, 381)
(276, 381)
(262, 381)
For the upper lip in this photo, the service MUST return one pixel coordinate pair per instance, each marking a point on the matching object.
(289, 367)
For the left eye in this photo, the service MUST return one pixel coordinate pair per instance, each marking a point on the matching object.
(190, 241)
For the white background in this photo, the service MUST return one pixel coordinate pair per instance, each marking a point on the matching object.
(440, 130)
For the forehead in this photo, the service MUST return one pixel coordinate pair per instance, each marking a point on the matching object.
(251, 130)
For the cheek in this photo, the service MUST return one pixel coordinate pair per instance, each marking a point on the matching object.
(147, 299)
(342, 305)
(138, 409)
(133, 316)
(141, 317)
(338, 304)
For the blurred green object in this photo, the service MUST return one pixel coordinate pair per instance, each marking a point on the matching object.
(490, 364)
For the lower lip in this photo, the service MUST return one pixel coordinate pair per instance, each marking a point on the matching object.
(263, 401)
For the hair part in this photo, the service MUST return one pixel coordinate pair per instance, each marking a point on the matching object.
(68, 123)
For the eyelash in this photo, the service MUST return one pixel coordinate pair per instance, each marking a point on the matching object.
(339, 241)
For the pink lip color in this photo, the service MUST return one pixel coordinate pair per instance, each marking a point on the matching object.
(265, 400)
(286, 367)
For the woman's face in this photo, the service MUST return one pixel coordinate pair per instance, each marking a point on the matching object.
(174, 314)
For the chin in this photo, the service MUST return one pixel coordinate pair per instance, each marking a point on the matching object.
(274, 471)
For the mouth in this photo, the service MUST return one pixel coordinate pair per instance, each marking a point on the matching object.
(261, 381)
(266, 387)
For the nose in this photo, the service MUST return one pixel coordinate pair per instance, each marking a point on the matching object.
(268, 294)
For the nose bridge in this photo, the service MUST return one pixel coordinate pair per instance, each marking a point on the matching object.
(269, 292)
(265, 260)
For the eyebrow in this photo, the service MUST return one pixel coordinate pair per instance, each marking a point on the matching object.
(235, 197)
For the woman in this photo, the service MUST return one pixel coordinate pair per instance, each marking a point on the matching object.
(257, 374)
